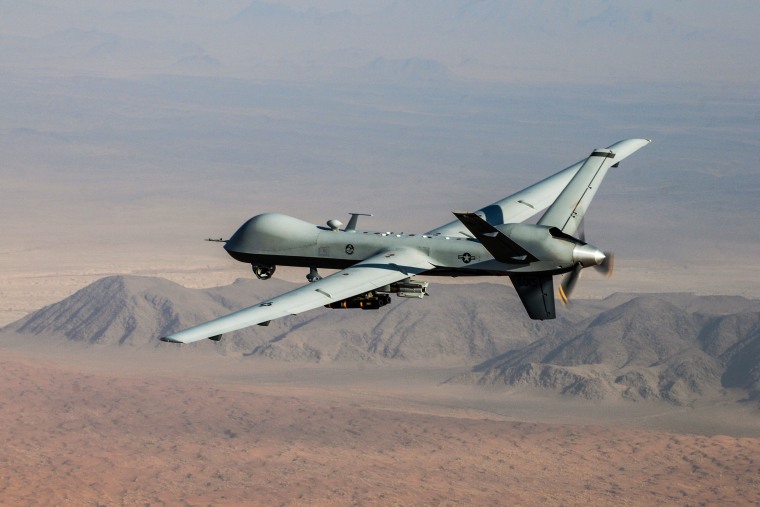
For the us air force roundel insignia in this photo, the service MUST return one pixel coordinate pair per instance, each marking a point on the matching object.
(467, 258)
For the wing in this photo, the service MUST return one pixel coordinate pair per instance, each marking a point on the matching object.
(376, 271)
(522, 205)
(519, 206)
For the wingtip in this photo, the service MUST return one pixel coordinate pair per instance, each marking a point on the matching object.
(169, 339)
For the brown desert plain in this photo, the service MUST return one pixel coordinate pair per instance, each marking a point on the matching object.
(78, 434)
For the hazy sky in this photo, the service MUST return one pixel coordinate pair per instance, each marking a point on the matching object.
(131, 126)
(542, 41)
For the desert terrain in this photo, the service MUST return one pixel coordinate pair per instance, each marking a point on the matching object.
(80, 431)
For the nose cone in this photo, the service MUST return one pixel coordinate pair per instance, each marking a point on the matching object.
(588, 255)
(271, 233)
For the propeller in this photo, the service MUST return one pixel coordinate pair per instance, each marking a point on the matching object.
(568, 283)
(608, 264)
(570, 280)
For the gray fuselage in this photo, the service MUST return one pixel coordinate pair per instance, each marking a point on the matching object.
(273, 239)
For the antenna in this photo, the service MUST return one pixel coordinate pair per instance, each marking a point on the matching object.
(355, 218)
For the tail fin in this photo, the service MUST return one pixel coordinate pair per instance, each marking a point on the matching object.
(536, 292)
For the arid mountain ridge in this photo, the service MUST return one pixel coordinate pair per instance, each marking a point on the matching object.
(672, 347)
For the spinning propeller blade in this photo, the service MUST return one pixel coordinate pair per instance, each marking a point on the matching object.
(568, 283)
(570, 280)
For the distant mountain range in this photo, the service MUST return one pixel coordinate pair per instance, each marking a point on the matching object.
(671, 347)
(133, 312)
(674, 347)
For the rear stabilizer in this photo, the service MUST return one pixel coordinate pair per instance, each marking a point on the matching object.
(537, 295)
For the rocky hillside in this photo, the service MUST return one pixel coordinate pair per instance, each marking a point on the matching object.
(127, 311)
(458, 323)
(671, 347)
(676, 348)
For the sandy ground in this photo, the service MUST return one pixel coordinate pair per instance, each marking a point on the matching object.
(79, 435)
